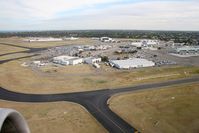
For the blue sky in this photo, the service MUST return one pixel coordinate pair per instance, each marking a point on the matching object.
(99, 14)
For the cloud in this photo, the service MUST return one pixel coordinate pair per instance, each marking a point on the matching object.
(42, 9)
(100, 14)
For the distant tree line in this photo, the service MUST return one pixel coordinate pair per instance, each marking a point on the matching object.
(187, 37)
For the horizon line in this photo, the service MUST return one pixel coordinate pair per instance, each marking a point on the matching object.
(53, 30)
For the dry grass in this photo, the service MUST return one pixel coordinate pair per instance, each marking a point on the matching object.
(44, 117)
(81, 78)
(76, 78)
(9, 49)
(171, 110)
(20, 42)
(17, 55)
(59, 117)
(71, 70)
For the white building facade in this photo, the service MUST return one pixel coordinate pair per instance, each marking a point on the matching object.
(47, 39)
(187, 50)
(145, 43)
(106, 39)
(67, 60)
(131, 63)
(75, 61)
(92, 60)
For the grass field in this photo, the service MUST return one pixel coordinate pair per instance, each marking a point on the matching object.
(9, 49)
(171, 110)
(82, 78)
(59, 117)
(20, 42)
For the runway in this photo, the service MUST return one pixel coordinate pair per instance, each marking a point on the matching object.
(94, 101)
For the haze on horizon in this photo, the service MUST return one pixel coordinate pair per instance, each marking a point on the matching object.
(99, 14)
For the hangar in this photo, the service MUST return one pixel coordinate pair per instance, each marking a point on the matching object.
(131, 63)
(187, 50)
(92, 60)
(67, 60)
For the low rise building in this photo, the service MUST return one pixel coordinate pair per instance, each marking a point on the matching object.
(102, 47)
(137, 44)
(149, 42)
(145, 43)
(106, 39)
(71, 38)
(75, 61)
(67, 60)
(96, 65)
(89, 48)
(38, 63)
(92, 60)
(187, 50)
(131, 63)
(47, 39)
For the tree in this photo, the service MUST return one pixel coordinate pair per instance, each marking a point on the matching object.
(105, 58)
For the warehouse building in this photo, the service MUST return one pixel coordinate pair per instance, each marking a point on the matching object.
(92, 60)
(67, 60)
(187, 50)
(145, 43)
(149, 42)
(137, 44)
(131, 63)
(75, 61)
(47, 39)
(63, 60)
(106, 39)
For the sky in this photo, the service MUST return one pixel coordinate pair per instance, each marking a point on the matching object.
(99, 14)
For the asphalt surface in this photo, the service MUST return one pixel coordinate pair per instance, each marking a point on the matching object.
(28, 50)
(94, 101)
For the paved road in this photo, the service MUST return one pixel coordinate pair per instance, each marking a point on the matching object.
(94, 101)
(28, 50)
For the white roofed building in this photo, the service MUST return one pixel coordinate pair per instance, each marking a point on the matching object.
(131, 63)
(145, 43)
(67, 60)
(187, 50)
(38, 63)
(92, 60)
(75, 61)
(136, 44)
(46, 39)
(71, 38)
(106, 39)
(150, 42)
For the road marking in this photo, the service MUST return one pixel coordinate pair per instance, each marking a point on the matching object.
(107, 117)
